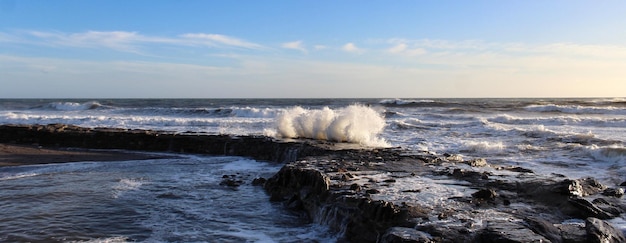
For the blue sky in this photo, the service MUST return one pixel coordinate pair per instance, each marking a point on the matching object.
(310, 49)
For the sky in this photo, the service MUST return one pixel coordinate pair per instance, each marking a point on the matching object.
(312, 49)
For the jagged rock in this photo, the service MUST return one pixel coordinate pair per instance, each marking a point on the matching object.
(600, 231)
(614, 192)
(508, 231)
(587, 209)
(481, 162)
(611, 205)
(573, 233)
(558, 193)
(405, 235)
(544, 228)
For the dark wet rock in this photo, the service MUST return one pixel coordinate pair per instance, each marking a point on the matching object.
(519, 169)
(544, 228)
(588, 209)
(469, 175)
(509, 231)
(404, 235)
(623, 184)
(231, 182)
(559, 192)
(610, 205)
(614, 192)
(61, 135)
(600, 231)
(485, 194)
(573, 233)
(260, 181)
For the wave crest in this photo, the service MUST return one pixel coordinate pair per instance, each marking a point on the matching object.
(74, 106)
(354, 124)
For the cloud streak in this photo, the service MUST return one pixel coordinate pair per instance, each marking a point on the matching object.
(295, 45)
(124, 41)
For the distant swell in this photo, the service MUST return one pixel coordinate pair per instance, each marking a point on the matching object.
(576, 109)
(354, 124)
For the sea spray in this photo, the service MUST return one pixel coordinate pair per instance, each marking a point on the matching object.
(353, 124)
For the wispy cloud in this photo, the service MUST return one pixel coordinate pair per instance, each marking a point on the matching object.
(351, 47)
(295, 45)
(123, 41)
(402, 48)
(217, 40)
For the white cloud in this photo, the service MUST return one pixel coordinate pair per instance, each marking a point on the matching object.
(351, 47)
(399, 48)
(123, 41)
(216, 39)
(295, 45)
(403, 49)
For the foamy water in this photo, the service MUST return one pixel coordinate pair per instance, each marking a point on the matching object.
(166, 200)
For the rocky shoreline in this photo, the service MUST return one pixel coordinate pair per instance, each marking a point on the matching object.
(386, 195)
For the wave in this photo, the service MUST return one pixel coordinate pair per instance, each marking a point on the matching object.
(403, 102)
(354, 124)
(576, 109)
(73, 106)
(482, 147)
(613, 153)
(560, 120)
(243, 112)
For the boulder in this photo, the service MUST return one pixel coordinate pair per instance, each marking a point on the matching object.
(602, 232)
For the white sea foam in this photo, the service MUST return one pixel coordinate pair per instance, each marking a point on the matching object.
(114, 239)
(354, 124)
(9, 176)
(252, 112)
(561, 120)
(126, 184)
(483, 146)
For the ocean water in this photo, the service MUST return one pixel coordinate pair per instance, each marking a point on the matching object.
(572, 137)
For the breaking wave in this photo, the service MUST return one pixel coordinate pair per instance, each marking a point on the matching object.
(614, 153)
(354, 124)
(74, 106)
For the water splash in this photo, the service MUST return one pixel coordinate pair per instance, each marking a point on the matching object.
(354, 124)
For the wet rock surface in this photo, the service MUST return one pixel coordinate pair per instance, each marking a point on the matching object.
(386, 195)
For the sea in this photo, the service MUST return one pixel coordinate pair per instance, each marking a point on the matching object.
(180, 199)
